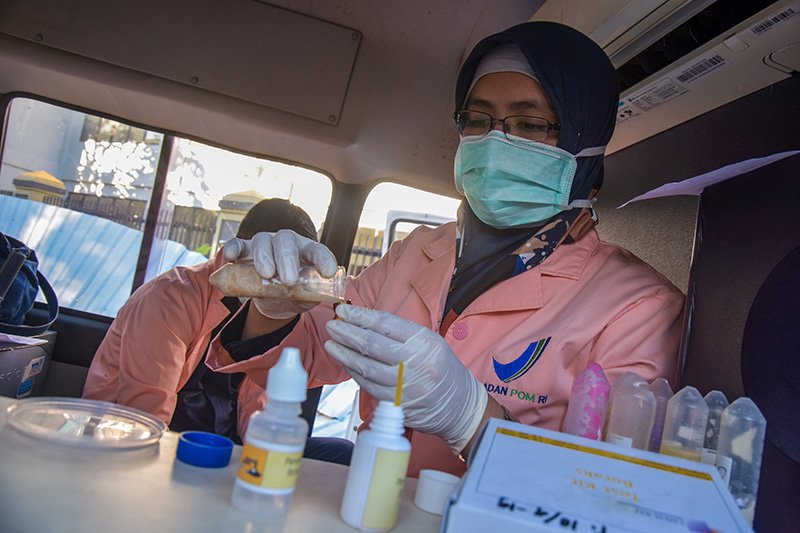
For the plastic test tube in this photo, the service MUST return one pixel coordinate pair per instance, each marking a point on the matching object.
(631, 413)
(663, 392)
(685, 425)
(716, 402)
(741, 443)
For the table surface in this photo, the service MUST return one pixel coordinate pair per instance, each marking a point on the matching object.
(49, 487)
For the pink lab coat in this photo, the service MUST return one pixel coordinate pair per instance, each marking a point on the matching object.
(157, 340)
(595, 302)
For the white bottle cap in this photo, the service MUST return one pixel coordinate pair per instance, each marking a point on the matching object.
(288, 380)
(433, 490)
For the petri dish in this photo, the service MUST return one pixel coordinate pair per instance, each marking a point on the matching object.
(85, 423)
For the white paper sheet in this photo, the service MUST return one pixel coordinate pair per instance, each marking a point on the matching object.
(694, 186)
(25, 341)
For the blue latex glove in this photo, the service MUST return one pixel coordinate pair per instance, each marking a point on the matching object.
(440, 396)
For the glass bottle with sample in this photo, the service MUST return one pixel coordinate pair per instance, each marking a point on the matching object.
(631, 412)
(685, 425)
(717, 403)
(663, 392)
(241, 280)
(741, 444)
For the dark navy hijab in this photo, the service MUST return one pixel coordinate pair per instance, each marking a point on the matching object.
(582, 85)
(578, 78)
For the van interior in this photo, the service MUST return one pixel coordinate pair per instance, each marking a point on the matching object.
(359, 93)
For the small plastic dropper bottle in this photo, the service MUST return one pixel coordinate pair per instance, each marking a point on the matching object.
(685, 425)
(588, 402)
(632, 411)
(663, 392)
(377, 472)
(741, 443)
(716, 402)
(274, 442)
(378, 468)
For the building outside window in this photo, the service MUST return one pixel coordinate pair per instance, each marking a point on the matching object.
(78, 187)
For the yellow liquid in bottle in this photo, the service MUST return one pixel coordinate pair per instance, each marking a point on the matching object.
(676, 450)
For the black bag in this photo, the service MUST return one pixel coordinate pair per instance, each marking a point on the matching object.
(20, 282)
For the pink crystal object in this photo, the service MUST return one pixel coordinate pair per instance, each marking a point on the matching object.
(588, 401)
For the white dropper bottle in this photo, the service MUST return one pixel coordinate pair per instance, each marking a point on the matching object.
(274, 442)
(378, 469)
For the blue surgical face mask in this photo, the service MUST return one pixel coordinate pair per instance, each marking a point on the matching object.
(514, 183)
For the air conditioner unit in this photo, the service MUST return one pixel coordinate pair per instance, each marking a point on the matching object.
(757, 44)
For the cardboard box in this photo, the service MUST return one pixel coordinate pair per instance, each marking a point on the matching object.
(23, 368)
(523, 478)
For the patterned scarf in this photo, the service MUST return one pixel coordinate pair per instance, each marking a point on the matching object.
(486, 256)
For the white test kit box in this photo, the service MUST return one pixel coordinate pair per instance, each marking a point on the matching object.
(523, 478)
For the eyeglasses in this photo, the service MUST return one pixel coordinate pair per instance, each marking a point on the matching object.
(479, 123)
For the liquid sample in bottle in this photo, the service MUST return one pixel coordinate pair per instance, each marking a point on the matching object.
(716, 402)
(377, 472)
(663, 392)
(627, 376)
(241, 280)
(632, 411)
(685, 425)
(588, 402)
(741, 443)
(274, 442)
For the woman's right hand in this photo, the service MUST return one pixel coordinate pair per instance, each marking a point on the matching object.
(280, 255)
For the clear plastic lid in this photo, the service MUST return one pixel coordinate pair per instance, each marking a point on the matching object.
(85, 423)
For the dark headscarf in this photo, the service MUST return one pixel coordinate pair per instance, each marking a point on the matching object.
(578, 78)
(582, 84)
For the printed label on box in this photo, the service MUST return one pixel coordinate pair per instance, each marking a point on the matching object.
(532, 479)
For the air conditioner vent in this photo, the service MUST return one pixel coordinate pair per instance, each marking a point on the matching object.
(678, 59)
(705, 26)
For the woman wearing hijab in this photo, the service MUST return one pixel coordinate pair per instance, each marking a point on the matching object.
(495, 315)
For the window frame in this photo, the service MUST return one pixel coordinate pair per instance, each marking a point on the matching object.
(159, 192)
(405, 216)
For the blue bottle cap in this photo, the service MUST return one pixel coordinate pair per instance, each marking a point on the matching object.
(208, 450)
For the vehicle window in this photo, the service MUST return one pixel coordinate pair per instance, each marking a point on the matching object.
(77, 188)
(209, 190)
(395, 210)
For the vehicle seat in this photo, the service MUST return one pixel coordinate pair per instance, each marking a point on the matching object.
(741, 335)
